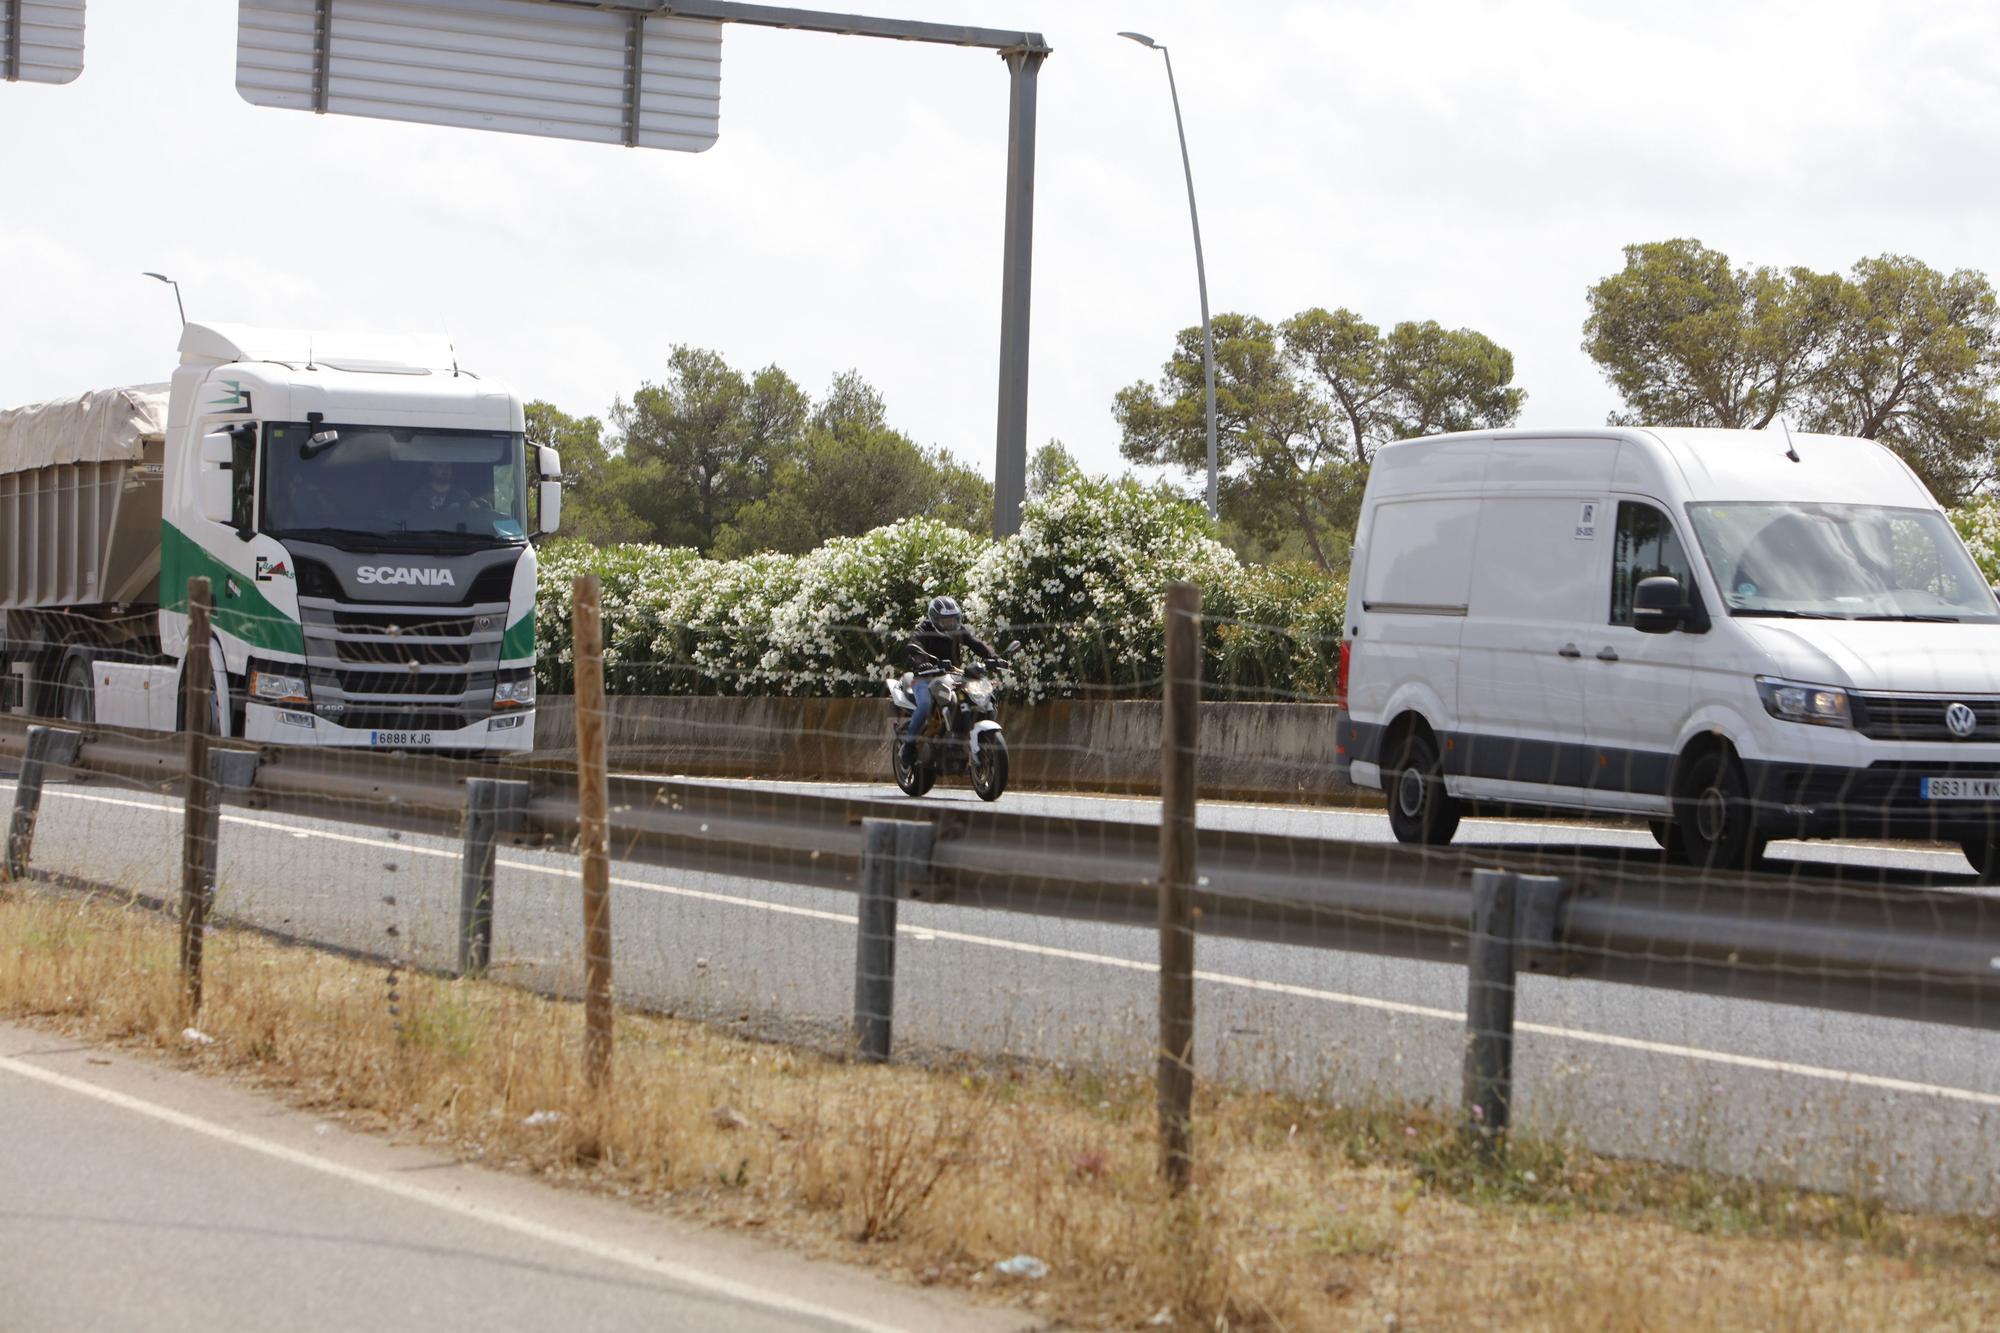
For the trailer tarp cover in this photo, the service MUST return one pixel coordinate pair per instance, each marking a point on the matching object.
(103, 426)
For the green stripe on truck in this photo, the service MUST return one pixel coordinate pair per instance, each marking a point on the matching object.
(519, 641)
(242, 611)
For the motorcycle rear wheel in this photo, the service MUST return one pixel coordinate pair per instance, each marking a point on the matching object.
(989, 770)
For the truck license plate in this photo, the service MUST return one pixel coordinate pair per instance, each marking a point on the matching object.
(1961, 789)
(399, 738)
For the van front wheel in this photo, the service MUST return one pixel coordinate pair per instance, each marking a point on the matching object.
(1420, 810)
(1714, 823)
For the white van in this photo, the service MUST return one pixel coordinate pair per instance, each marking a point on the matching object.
(1736, 635)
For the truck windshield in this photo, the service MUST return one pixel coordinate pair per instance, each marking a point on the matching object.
(1840, 562)
(379, 483)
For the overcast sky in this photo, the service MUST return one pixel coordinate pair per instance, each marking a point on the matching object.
(1475, 163)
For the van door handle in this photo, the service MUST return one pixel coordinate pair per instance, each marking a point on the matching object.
(1568, 650)
(1607, 654)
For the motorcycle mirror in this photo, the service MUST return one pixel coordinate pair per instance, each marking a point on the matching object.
(1013, 647)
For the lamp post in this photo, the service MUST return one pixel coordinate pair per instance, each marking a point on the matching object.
(1200, 270)
(177, 294)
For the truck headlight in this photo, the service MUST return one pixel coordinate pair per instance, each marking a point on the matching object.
(517, 693)
(278, 687)
(1819, 705)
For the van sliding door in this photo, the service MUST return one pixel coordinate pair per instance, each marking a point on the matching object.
(1523, 682)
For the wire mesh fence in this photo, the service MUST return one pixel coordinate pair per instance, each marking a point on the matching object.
(1760, 1020)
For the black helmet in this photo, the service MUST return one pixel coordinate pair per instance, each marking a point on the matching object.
(943, 614)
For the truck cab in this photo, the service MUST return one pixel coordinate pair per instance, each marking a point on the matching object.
(361, 508)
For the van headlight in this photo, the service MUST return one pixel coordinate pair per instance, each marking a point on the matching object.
(517, 692)
(1793, 701)
(278, 687)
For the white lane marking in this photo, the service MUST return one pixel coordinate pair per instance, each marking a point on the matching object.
(681, 1274)
(1582, 1036)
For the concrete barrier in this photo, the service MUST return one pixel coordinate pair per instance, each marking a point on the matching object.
(1252, 752)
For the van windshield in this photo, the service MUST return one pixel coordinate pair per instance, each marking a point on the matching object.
(1840, 562)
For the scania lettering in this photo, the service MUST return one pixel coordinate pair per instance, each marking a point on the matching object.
(430, 578)
(359, 505)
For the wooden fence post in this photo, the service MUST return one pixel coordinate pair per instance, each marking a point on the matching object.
(199, 825)
(593, 829)
(1181, 702)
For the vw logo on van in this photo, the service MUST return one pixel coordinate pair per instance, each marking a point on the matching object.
(1960, 720)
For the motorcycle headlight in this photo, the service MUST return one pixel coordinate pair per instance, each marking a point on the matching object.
(516, 693)
(278, 687)
(979, 692)
(1818, 705)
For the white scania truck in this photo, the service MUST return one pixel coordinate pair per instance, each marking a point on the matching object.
(359, 505)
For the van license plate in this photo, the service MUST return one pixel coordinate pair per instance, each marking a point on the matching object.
(1961, 789)
(399, 738)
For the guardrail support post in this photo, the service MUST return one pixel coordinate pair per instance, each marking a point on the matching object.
(46, 746)
(492, 807)
(1489, 1009)
(895, 857)
(1180, 737)
(230, 773)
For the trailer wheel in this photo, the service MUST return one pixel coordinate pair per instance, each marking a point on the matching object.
(76, 692)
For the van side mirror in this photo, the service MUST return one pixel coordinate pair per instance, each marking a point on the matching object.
(1659, 606)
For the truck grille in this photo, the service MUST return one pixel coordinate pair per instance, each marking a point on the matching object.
(402, 667)
(1920, 717)
(402, 719)
(404, 652)
(401, 684)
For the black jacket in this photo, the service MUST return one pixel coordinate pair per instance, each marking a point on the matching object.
(930, 645)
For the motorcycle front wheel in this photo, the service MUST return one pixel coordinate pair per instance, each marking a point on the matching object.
(989, 771)
(913, 779)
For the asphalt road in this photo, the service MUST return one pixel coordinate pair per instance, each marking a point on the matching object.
(133, 1196)
(1821, 1098)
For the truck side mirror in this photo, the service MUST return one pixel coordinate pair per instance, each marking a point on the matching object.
(1659, 606)
(548, 464)
(214, 484)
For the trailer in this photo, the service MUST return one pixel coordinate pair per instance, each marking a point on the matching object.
(360, 506)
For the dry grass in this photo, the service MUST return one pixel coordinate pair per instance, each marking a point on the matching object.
(1303, 1216)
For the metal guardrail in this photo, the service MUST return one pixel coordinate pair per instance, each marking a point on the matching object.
(1869, 949)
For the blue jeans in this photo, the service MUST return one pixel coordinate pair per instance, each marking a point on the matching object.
(920, 689)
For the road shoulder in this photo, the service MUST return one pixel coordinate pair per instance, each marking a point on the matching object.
(600, 1228)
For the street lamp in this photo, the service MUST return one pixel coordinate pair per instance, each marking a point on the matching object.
(177, 294)
(1200, 271)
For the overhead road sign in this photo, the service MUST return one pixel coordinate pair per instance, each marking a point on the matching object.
(642, 79)
(645, 73)
(813, 20)
(41, 41)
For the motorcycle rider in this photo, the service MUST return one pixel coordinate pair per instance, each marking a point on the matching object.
(937, 644)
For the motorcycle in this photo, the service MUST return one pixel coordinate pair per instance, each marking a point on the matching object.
(961, 735)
